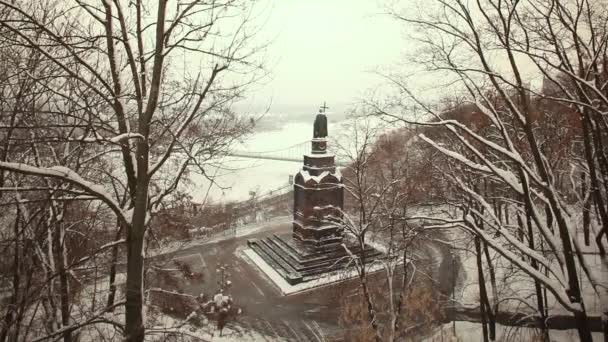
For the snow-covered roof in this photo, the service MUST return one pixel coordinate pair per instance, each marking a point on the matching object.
(306, 176)
(319, 155)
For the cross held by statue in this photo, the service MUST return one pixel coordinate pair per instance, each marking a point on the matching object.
(323, 108)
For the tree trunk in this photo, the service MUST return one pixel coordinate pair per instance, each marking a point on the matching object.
(537, 286)
(11, 307)
(134, 325)
(112, 279)
(371, 312)
(64, 292)
(483, 296)
(586, 208)
(494, 307)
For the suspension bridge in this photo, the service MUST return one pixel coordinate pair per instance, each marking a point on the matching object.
(291, 153)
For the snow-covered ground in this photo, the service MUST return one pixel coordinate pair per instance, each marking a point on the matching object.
(472, 332)
(287, 289)
(513, 283)
(241, 231)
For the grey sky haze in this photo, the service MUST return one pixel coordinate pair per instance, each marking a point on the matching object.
(324, 50)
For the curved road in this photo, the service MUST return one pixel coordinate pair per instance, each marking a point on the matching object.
(307, 316)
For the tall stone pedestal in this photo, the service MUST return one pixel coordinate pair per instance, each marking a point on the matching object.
(318, 199)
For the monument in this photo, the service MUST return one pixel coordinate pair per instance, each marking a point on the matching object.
(317, 244)
(318, 198)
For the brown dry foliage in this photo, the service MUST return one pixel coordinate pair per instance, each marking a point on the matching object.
(421, 309)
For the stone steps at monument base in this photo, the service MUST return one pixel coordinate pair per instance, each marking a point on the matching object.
(304, 252)
(325, 264)
(290, 250)
(306, 255)
(328, 265)
(295, 257)
(293, 271)
(288, 272)
(287, 264)
(326, 260)
(334, 265)
(290, 275)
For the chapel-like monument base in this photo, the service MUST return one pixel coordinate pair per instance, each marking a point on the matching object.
(317, 245)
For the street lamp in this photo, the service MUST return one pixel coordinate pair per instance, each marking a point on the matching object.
(223, 280)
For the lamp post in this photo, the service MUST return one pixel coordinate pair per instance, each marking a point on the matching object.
(223, 281)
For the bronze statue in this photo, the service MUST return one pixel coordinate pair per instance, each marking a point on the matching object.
(320, 126)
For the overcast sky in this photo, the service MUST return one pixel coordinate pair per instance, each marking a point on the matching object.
(325, 50)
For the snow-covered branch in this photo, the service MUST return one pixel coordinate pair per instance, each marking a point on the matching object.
(66, 174)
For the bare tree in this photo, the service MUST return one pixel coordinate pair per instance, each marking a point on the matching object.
(129, 120)
(376, 212)
(484, 50)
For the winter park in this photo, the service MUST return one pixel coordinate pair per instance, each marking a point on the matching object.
(307, 171)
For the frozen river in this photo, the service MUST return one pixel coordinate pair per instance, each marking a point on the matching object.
(239, 176)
